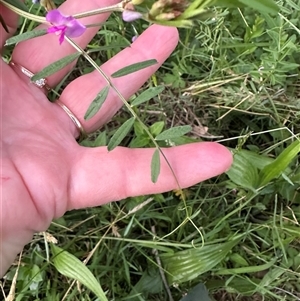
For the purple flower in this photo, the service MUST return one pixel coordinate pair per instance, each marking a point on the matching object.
(130, 15)
(64, 25)
(134, 38)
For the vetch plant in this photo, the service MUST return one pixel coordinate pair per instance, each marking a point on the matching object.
(167, 12)
(179, 13)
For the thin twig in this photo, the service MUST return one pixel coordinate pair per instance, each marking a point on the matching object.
(161, 270)
(12, 291)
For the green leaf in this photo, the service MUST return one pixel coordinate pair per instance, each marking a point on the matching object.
(25, 36)
(174, 132)
(96, 103)
(181, 140)
(133, 68)
(3, 24)
(149, 283)
(188, 264)
(139, 129)
(56, 66)
(243, 172)
(238, 260)
(257, 160)
(120, 134)
(140, 141)
(156, 128)
(196, 5)
(147, 95)
(198, 293)
(155, 166)
(70, 266)
(270, 277)
(101, 139)
(290, 191)
(267, 6)
(278, 166)
(199, 4)
(245, 286)
(18, 4)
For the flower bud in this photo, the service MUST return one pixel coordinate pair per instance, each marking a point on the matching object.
(165, 17)
(130, 15)
(156, 9)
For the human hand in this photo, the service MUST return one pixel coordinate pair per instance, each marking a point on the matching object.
(44, 172)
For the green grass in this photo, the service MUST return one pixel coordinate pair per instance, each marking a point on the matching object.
(235, 79)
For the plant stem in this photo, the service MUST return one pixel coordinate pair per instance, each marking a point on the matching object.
(117, 7)
(23, 13)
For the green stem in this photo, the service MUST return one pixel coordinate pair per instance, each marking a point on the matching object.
(117, 7)
(196, 5)
(24, 13)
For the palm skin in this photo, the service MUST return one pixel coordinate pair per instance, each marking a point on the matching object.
(44, 172)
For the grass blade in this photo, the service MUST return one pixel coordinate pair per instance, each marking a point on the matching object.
(278, 166)
(248, 270)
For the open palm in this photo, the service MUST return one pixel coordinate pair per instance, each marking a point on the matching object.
(44, 172)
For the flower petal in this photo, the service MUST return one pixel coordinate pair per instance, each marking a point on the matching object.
(74, 28)
(55, 17)
(61, 38)
(130, 15)
(134, 38)
(52, 29)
